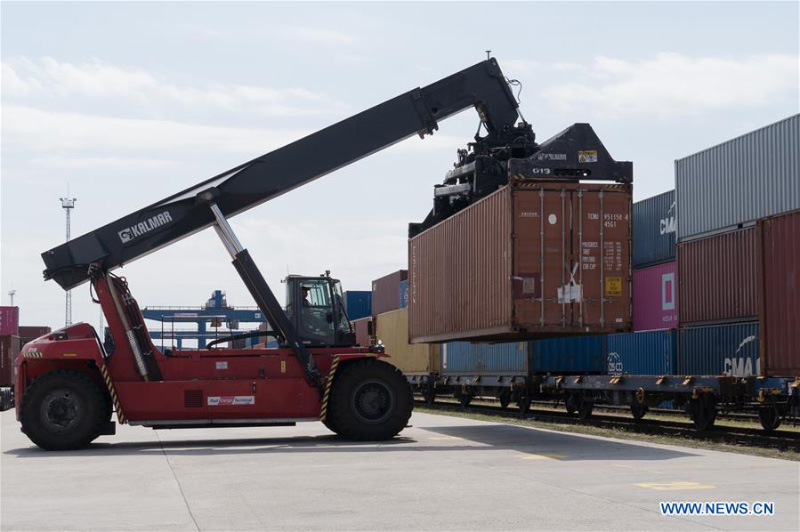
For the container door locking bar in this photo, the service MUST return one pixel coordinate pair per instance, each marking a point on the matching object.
(264, 297)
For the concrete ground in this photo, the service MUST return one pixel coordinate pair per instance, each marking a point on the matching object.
(444, 473)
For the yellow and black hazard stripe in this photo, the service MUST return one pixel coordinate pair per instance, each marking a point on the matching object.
(113, 393)
(324, 411)
(32, 353)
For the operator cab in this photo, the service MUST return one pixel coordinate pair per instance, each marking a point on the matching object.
(315, 307)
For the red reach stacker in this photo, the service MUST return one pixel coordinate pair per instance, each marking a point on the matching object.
(69, 382)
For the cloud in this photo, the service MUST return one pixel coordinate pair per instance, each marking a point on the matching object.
(85, 163)
(676, 85)
(320, 35)
(50, 78)
(36, 129)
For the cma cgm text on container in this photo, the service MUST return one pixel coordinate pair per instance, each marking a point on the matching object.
(530, 260)
(654, 225)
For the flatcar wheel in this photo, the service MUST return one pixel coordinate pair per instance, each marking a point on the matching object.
(572, 402)
(704, 413)
(770, 418)
(430, 394)
(585, 409)
(465, 399)
(505, 399)
(638, 410)
(524, 404)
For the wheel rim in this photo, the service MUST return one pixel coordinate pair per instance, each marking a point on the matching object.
(61, 410)
(373, 401)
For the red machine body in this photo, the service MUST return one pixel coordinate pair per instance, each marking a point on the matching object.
(198, 387)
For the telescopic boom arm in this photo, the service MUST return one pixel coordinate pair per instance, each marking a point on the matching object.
(482, 86)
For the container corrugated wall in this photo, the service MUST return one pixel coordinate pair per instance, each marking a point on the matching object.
(655, 292)
(391, 328)
(780, 293)
(730, 349)
(718, 278)
(358, 304)
(464, 358)
(532, 260)
(361, 327)
(643, 353)
(739, 181)
(402, 294)
(582, 354)
(449, 293)
(384, 292)
(9, 321)
(9, 348)
(654, 230)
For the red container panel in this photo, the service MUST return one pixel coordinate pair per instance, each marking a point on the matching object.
(361, 328)
(780, 295)
(9, 321)
(31, 332)
(531, 260)
(386, 293)
(655, 297)
(718, 278)
(9, 349)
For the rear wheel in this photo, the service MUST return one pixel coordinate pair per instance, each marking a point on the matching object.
(370, 400)
(770, 418)
(63, 410)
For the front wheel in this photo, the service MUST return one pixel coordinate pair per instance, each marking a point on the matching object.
(63, 410)
(370, 400)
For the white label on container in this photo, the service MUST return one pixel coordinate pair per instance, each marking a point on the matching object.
(569, 293)
(222, 365)
(552, 219)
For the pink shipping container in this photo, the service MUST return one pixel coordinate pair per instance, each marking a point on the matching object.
(9, 321)
(779, 295)
(655, 297)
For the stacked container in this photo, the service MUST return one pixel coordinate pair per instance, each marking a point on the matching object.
(386, 292)
(9, 343)
(654, 282)
(358, 304)
(738, 254)
(419, 360)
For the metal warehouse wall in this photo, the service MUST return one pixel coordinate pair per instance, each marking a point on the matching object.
(739, 181)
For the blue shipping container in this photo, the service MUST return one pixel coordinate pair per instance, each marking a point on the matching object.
(358, 304)
(464, 358)
(643, 353)
(654, 230)
(730, 349)
(575, 354)
(402, 293)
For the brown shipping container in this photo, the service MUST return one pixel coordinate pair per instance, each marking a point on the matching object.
(9, 349)
(531, 260)
(31, 332)
(717, 278)
(385, 292)
(419, 359)
(361, 328)
(779, 298)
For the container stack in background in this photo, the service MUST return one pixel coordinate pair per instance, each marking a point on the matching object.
(653, 348)
(358, 305)
(390, 327)
(738, 255)
(9, 343)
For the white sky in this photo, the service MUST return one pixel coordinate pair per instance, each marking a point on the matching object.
(129, 103)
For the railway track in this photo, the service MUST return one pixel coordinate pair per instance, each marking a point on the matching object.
(750, 437)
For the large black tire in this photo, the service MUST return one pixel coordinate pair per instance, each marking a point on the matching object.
(370, 401)
(63, 410)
